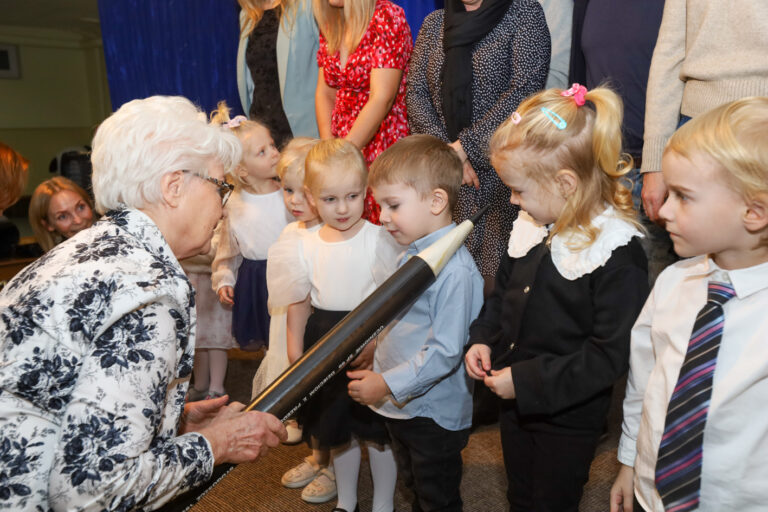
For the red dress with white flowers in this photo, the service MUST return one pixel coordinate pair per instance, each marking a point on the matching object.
(386, 43)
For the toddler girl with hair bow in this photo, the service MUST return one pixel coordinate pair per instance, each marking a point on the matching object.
(567, 294)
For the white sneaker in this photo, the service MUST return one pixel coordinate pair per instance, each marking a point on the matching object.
(322, 488)
(294, 432)
(301, 475)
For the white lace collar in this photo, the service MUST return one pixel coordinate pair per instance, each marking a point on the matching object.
(572, 264)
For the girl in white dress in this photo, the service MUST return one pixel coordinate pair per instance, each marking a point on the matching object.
(315, 473)
(329, 272)
(290, 169)
(255, 216)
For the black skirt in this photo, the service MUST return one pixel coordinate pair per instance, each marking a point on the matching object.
(331, 417)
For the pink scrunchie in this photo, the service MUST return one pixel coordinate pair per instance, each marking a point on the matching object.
(578, 92)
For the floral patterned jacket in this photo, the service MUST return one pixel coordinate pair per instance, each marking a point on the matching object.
(96, 351)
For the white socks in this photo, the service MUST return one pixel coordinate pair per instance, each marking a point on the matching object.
(346, 463)
(384, 472)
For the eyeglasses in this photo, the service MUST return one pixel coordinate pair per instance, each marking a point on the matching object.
(225, 189)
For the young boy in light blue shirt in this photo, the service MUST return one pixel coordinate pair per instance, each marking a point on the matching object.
(419, 383)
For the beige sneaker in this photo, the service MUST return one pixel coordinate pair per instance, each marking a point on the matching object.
(322, 488)
(301, 475)
(294, 432)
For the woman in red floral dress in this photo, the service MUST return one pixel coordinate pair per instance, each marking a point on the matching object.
(363, 58)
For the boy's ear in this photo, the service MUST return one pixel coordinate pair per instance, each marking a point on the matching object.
(439, 201)
(171, 187)
(756, 215)
(567, 182)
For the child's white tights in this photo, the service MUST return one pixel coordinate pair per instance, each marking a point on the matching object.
(346, 463)
(210, 368)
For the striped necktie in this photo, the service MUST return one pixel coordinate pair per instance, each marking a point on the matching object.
(678, 467)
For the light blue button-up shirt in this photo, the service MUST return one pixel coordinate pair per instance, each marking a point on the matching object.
(421, 353)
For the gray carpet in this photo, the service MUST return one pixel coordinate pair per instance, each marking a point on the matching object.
(257, 486)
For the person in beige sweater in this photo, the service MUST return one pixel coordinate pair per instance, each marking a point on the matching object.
(709, 52)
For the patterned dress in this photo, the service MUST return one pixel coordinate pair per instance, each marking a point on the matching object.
(508, 65)
(96, 349)
(387, 43)
(261, 57)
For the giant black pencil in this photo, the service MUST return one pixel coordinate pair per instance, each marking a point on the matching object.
(329, 355)
(346, 340)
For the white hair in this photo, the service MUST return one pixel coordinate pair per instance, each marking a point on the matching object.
(148, 138)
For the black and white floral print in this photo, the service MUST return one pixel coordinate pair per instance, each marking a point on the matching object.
(96, 350)
(508, 65)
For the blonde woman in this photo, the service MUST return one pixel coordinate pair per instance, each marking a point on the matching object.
(59, 209)
(277, 66)
(365, 47)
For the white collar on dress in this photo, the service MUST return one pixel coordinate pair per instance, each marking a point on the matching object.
(572, 264)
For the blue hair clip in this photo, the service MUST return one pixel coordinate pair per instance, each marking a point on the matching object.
(556, 119)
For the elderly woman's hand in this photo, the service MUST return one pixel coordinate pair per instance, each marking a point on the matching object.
(238, 436)
(197, 415)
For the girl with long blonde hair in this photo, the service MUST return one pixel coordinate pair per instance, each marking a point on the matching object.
(567, 294)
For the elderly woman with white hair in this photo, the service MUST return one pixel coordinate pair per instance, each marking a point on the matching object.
(97, 337)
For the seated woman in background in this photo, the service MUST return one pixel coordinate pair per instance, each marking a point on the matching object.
(59, 208)
(13, 177)
(97, 336)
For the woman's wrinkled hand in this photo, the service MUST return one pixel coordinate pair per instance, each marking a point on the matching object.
(237, 436)
(197, 415)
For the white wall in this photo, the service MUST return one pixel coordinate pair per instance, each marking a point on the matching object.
(60, 98)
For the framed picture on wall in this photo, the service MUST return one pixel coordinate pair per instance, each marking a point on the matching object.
(9, 61)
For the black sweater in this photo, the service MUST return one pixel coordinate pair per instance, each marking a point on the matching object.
(566, 342)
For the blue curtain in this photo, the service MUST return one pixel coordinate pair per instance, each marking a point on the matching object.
(172, 47)
(185, 47)
(417, 10)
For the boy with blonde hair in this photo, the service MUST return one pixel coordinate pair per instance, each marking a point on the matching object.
(419, 384)
(695, 419)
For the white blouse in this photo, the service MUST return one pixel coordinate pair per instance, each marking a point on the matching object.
(337, 276)
(253, 223)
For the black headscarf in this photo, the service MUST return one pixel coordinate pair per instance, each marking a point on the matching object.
(461, 30)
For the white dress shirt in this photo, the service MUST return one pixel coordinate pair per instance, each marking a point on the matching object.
(734, 472)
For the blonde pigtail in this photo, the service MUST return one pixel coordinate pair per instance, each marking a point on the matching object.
(220, 116)
(606, 146)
